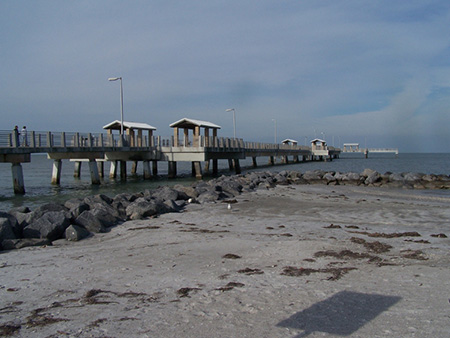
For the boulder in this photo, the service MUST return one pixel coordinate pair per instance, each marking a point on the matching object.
(142, 208)
(313, 175)
(14, 225)
(76, 233)
(90, 222)
(208, 196)
(329, 178)
(352, 178)
(164, 193)
(51, 225)
(11, 244)
(76, 206)
(373, 177)
(100, 198)
(6, 229)
(185, 192)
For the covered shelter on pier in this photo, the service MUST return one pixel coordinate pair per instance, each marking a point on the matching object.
(194, 125)
(134, 132)
(289, 141)
(318, 144)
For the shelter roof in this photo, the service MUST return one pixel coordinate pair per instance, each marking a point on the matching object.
(191, 123)
(128, 125)
(317, 140)
(289, 140)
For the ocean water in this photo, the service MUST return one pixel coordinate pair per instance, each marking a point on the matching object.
(39, 190)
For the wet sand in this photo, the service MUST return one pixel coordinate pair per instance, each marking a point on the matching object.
(293, 261)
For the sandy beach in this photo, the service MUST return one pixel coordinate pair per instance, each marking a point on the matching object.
(293, 261)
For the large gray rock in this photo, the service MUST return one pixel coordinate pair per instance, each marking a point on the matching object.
(142, 208)
(352, 178)
(313, 175)
(50, 207)
(51, 225)
(164, 193)
(11, 244)
(76, 233)
(6, 229)
(373, 177)
(185, 192)
(208, 196)
(100, 198)
(76, 206)
(89, 221)
(16, 227)
(329, 178)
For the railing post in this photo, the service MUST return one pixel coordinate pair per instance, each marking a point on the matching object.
(32, 140)
(77, 140)
(100, 140)
(49, 139)
(63, 139)
(90, 140)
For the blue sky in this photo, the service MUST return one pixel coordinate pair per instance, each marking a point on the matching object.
(373, 72)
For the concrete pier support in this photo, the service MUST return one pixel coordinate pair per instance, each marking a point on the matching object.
(147, 172)
(237, 166)
(197, 170)
(172, 172)
(17, 176)
(77, 169)
(206, 170)
(95, 178)
(230, 164)
(123, 170)
(101, 168)
(113, 169)
(155, 168)
(296, 160)
(134, 166)
(56, 172)
(271, 160)
(215, 164)
(255, 164)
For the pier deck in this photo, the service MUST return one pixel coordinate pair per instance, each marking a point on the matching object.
(97, 148)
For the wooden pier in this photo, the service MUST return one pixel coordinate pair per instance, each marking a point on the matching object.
(135, 147)
(354, 148)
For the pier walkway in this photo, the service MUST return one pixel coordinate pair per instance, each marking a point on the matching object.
(98, 148)
(354, 148)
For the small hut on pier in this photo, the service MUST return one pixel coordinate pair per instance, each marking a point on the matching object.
(134, 132)
(194, 125)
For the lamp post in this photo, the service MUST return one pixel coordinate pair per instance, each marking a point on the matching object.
(275, 127)
(121, 102)
(234, 120)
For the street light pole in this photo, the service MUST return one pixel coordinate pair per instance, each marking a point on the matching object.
(121, 102)
(275, 139)
(234, 120)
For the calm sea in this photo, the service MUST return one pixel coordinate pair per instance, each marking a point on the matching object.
(37, 175)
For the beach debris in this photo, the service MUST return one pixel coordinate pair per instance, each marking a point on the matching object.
(344, 254)
(184, 292)
(391, 235)
(414, 254)
(249, 271)
(231, 286)
(441, 235)
(336, 273)
(332, 226)
(376, 246)
(231, 256)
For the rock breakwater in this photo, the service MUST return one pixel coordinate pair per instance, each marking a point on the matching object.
(80, 218)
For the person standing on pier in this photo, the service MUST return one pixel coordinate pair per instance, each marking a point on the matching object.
(16, 135)
(24, 135)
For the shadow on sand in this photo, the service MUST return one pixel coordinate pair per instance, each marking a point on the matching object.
(342, 314)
